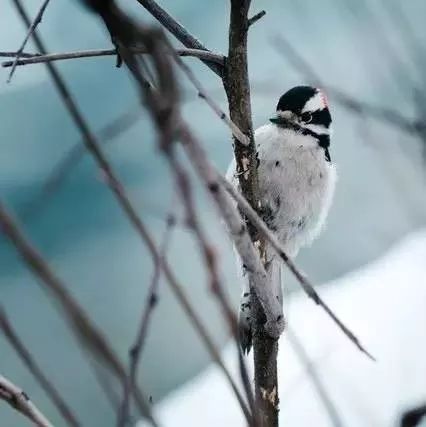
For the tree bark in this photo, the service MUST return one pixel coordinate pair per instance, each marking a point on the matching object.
(237, 87)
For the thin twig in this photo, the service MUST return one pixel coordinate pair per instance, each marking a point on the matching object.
(85, 331)
(104, 381)
(22, 55)
(70, 159)
(36, 371)
(37, 58)
(202, 93)
(276, 245)
(256, 17)
(20, 401)
(179, 31)
(31, 30)
(135, 351)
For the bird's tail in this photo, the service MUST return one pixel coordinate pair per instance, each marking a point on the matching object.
(273, 269)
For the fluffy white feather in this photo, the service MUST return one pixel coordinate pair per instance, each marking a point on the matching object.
(296, 186)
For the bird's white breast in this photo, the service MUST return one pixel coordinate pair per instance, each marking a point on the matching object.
(296, 185)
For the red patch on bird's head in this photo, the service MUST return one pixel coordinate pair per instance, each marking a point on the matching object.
(323, 98)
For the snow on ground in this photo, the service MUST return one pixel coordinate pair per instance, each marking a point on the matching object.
(384, 304)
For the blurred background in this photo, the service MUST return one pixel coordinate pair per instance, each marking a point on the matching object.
(366, 54)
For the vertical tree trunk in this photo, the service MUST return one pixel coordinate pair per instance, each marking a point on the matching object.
(265, 351)
(236, 81)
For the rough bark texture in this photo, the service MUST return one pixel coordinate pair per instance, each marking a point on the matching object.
(265, 351)
(237, 87)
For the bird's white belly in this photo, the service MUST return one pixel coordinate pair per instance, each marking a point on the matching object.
(296, 187)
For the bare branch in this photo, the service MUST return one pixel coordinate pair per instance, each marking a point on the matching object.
(71, 158)
(256, 17)
(236, 132)
(151, 302)
(31, 30)
(302, 279)
(178, 30)
(86, 333)
(20, 401)
(37, 58)
(36, 371)
(22, 55)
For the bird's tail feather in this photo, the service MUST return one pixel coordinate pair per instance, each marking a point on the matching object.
(273, 269)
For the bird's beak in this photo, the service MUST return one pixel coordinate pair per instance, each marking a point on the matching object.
(278, 120)
(283, 118)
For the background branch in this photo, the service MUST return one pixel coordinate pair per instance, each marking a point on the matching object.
(36, 371)
(178, 30)
(85, 332)
(38, 58)
(31, 30)
(20, 401)
(135, 351)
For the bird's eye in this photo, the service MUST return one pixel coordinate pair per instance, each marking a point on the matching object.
(306, 117)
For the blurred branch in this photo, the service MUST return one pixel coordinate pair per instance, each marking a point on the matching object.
(79, 120)
(151, 302)
(179, 31)
(70, 159)
(202, 93)
(20, 401)
(36, 371)
(105, 383)
(22, 55)
(37, 58)
(86, 333)
(412, 43)
(31, 30)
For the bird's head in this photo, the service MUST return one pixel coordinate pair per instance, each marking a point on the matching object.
(304, 108)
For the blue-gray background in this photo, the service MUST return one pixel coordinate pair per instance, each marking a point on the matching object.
(90, 244)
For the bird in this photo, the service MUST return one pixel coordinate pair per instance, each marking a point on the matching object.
(296, 181)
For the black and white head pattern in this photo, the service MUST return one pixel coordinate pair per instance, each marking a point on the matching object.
(305, 109)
